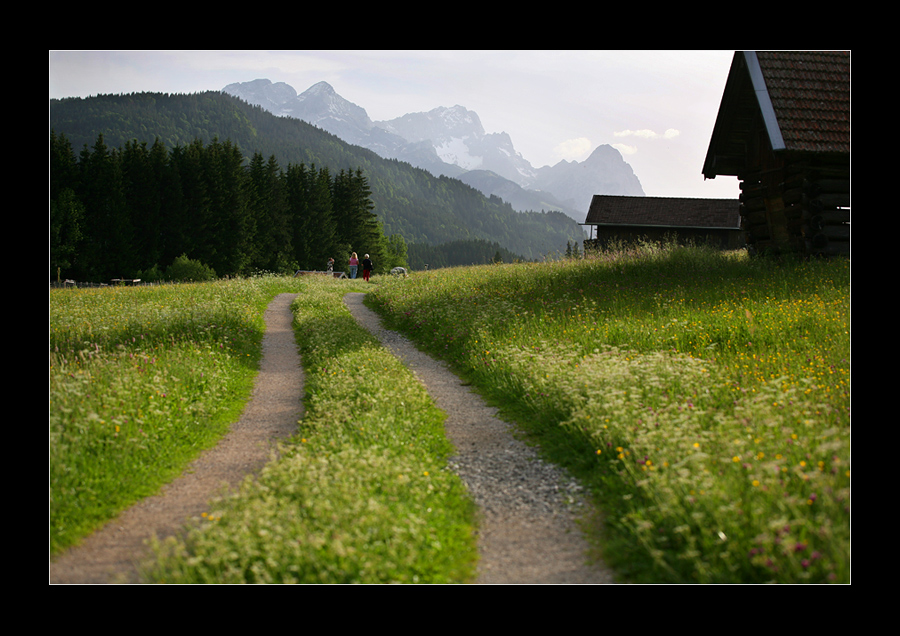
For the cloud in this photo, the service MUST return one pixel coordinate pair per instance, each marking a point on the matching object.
(648, 134)
(573, 149)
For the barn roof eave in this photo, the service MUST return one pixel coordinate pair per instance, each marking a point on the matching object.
(718, 163)
(764, 101)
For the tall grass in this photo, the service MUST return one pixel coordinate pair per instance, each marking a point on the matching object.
(363, 493)
(704, 397)
(141, 380)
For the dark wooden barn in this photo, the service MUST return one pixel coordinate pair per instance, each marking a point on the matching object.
(614, 220)
(783, 129)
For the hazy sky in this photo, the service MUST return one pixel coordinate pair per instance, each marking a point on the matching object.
(657, 107)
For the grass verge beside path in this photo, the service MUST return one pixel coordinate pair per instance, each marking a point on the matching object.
(704, 398)
(363, 494)
(142, 379)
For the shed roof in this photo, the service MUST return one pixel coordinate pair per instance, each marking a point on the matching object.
(802, 98)
(664, 212)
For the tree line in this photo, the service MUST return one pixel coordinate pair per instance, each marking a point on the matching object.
(457, 253)
(128, 212)
(410, 201)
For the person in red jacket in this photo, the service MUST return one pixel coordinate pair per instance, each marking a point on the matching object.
(367, 267)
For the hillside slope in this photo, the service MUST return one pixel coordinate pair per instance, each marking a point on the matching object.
(408, 201)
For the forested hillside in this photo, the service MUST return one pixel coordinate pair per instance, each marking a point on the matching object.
(456, 253)
(407, 201)
(130, 212)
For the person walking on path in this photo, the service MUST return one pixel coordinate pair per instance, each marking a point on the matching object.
(354, 264)
(367, 267)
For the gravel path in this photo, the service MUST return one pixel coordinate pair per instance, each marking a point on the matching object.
(528, 532)
(112, 553)
(528, 507)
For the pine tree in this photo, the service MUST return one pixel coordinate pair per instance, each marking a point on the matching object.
(232, 229)
(115, 213)
(191, 217)
(142, 196)
(323, 237)
(357, 224)
(172, 230)
(308, 195)
(268, 205)
(108, 231)
(64, 170)
(66, 219)
(66, 210)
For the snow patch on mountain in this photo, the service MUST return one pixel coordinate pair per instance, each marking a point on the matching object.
(456, 151)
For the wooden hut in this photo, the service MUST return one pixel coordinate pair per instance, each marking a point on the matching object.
(624, 219)
(783, 129)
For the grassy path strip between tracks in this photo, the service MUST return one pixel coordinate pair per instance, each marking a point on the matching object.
(361, 495)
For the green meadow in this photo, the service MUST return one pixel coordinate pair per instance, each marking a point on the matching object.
(703, 398)
(142, 379)
(362, 494)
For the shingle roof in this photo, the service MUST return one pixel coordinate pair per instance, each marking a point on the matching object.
(802, 99)
(810, 94)
(664, 212)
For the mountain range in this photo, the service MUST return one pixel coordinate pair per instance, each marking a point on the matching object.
(452, 142)
(428, 212)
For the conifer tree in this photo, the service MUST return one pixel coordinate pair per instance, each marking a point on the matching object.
(357, 224)
(232, 229)
(115, 213)
(191, 216)
(66, 235)
(66, 210)
(308, 193)
(142, 196)
(108, 230)
(323, 235)
(272, 249)
(63, 165)
(171, 230)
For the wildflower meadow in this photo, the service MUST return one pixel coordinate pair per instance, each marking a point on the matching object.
(703, 396)
(362, 493)
(141, 380)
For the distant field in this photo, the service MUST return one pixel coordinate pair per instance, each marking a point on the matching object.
(703, 396)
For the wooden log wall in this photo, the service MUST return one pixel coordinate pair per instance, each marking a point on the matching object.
(800, 207)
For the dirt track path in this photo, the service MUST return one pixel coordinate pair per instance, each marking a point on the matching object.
(528, 531)
(112, 554)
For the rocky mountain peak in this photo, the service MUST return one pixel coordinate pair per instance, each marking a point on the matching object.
(321, 106)
(263, 93)
(320, 88)
(440, 125)
(452, 141)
